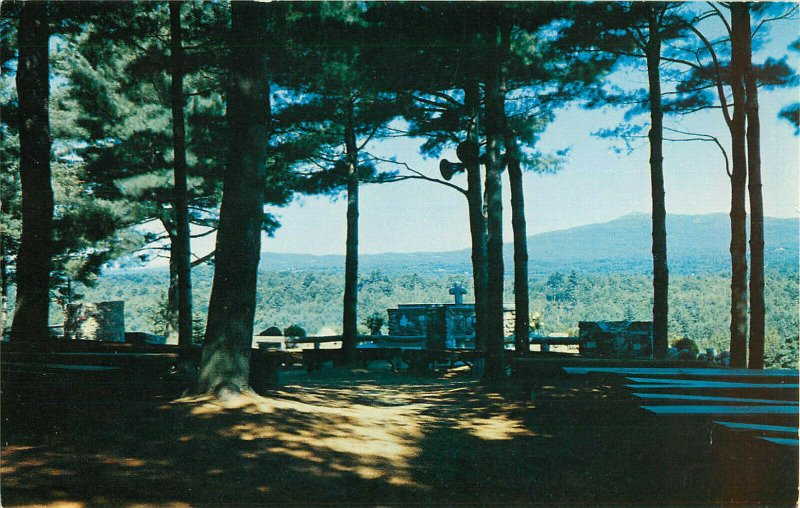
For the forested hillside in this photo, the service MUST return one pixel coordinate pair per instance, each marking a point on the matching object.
(697, 243)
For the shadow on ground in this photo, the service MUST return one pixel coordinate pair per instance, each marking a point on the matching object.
(347, 438)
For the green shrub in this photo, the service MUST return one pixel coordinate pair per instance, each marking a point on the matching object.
(685, 343)
(295, 331)
(374, 322)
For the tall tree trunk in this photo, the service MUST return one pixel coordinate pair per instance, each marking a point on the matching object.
(521, 297)
(350, 307)
(172, 312)
(757, 305)
(31, 315)
(477, 221)
(225, 363)
(3, 286)
(181, 249)
(739, 33)
(659, 211)
(495, 337)
(171, 320)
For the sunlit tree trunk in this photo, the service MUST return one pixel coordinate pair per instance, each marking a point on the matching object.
(757, 305)
(350, 310)
(659, 212)
(30, 321)
(180, 245)
(225, 360)
(739, 34)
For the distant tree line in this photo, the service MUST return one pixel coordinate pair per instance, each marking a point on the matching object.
(313, 299)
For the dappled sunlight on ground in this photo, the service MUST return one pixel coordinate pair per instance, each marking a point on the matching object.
(498, 427)
(371, 442)
(334, 435)
(339, 437)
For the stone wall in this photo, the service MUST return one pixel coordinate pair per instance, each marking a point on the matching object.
(458, 321)
(103, 321)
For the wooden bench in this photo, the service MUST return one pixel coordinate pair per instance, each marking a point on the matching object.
(314, 359)
(748, 420)
(369, 348)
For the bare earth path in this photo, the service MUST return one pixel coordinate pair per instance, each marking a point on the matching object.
(345, 438)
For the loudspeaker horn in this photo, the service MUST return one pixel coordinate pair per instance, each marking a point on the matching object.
(467, 151)
(448, 169)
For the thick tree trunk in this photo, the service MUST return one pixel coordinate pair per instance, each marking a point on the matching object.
(225, 364)
(477, 221)
(495, 355)
(350, 307)
(659, 212)
(180, 245)
(30, 321)
(739, 33)
(757, 304)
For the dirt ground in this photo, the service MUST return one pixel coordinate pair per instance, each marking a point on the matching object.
(352, 437)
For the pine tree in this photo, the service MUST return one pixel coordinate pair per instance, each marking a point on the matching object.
(740, 28)
(87, 231)
(30, 321)
(337, 106)
(445, 48)
(743, 79)
(493, 75)
(181, 251)
(224, 367)
(121, 81)
(639, 30)
(441, 47)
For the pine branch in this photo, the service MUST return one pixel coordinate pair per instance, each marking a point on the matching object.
(638, 38)
(202, 209)
(369, 138)
(200, 260)
(437, 105)
(684, 112)
(681, 61)
(416, 175)
(721, 16)
(703, 137)
(720, 90)
(448, 98)
(204, 233)
(786, 15)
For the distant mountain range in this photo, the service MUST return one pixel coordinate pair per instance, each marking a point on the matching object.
(696, 244)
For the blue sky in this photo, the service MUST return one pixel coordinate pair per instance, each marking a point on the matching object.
(596, 184)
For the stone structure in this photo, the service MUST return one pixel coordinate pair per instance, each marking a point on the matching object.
(103, 321)
(616, 339)
(458, 292)
(444, 325)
